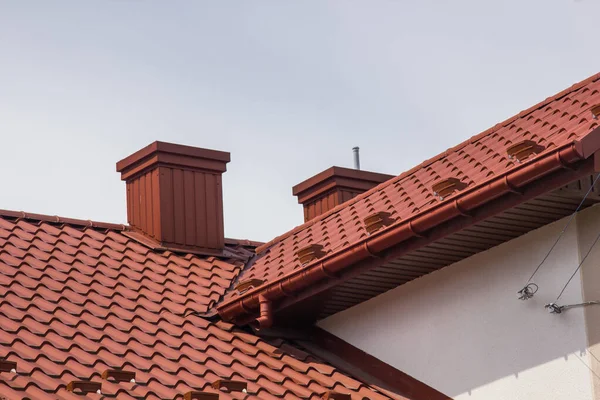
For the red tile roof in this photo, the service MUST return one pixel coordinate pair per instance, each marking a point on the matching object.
(79, 298)
(557, 121)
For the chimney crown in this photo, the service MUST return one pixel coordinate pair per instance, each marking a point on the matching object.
(174, 195)
(332, 187)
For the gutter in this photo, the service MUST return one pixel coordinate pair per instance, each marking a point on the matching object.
(511, 181)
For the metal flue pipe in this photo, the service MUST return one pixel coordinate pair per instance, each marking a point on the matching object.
(356, 157)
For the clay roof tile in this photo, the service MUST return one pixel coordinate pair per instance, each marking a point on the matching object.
(79, 300)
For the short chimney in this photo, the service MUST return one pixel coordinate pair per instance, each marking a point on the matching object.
(175, 196)
(333, 187)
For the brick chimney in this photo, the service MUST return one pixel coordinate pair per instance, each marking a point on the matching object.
(175, 197)
(333, 187)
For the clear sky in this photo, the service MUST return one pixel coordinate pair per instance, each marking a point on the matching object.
(288, 87)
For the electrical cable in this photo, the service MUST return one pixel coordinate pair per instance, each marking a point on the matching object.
(557, 309)
(579, 266)
(530, 288)
(565, 228)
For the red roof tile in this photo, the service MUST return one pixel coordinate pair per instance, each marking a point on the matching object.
(556, 121)
(80, 298)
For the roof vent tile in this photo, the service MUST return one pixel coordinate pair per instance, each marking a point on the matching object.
(119, 375)
(523, 149)
(84, 387)
(376, 221)
(248, 284)
(232, 386)
(8, 366)
(310, 253)
(596, 111)
(331, 395)
(447, 187)
(197, 395)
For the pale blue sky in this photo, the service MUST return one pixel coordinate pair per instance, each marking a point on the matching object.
(287, 87)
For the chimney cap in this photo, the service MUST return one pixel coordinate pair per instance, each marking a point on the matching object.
(174, 155)
(352, 179)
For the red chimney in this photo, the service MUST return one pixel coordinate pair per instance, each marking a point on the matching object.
(333, 187)
(174, 195)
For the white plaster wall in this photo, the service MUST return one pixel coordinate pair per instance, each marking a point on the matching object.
(462, 330)
(588, 228)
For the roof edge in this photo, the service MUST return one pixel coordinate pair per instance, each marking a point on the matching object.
(393, 379)
(562, 157)
(55, 219)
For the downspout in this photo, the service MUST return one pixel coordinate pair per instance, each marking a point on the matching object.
(377, 243)
(265, 320)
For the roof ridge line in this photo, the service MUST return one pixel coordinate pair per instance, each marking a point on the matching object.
(62, 220)
(572, 88)
(99, 224)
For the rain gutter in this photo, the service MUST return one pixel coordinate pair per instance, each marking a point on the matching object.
(562, 157)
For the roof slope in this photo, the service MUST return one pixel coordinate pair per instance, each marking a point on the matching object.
(556, 121)
(78, 299)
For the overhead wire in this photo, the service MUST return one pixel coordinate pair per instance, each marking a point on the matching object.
(579, 266)
(564, 228)
(530, 288)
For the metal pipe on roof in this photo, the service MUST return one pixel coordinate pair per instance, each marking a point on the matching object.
(356, 157)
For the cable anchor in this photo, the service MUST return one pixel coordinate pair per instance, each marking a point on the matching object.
(554, 308)
(527, 292)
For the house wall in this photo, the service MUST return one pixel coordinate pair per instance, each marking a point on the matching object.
(462, 330)
(588, 227)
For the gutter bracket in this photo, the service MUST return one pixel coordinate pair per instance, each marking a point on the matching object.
(327, 273)
(460, 210)
(563, 163)
(413, 231)
(282, 290)
(512, 188)
(243, 307)
(368, 250)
